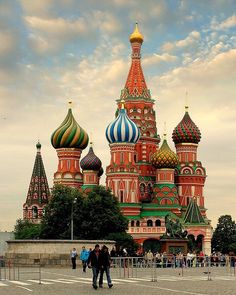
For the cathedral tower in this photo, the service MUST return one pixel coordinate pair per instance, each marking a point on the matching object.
(165, 190)
(122, 173)
(139, 106)
(190, 177)
(69, 139)
(38, 192)
(92, 170)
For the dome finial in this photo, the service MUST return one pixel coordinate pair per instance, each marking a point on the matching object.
(38, 145)
(186, 101)
(122, 104)
(136, 36)
(70, 103)
(164, 134)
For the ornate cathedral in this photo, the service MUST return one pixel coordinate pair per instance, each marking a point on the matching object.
(150, 180)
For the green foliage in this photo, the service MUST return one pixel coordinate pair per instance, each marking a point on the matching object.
(26, 230)
(100, 215)
(224, 236)
(124, 240)
(56, 223)
(95, 216)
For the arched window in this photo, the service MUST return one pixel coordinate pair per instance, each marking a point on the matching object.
(149, 222)
(132, 223)
(137, 223)
(158, 222)
(34, 212)
(121, 196)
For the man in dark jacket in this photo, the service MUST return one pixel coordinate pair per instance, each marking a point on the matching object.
(94, 261)
(105, 266)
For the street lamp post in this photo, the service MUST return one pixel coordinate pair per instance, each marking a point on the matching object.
(72, 220)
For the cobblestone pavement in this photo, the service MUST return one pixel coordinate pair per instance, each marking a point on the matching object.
(219, 281)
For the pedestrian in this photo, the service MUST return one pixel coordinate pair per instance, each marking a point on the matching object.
(94, 261)
(84, 254)
(73, 256)
(105, 267)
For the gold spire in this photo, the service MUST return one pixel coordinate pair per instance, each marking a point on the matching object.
(136, 36)
(122, 104)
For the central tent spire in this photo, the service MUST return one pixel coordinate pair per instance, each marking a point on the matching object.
(135, 86)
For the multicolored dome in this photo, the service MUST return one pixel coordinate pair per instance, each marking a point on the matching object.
(165, 157)
(186, 131)
(136, 36)
(69, 134)
(91, 161)
(122, 129)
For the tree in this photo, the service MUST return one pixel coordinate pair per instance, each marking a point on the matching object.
(224, 236)
(56, 223)
(95, 215)
(100, 216)
(26, 230)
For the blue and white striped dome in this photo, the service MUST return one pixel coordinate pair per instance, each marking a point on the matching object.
(122, 129)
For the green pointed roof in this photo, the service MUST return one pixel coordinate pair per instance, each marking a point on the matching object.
(38, 192)
(193, 213)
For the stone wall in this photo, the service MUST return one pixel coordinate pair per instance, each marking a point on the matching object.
(48, 252)
(4, 236)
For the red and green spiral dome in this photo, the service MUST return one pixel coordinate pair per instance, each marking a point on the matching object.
(186, 131)
(69, 134)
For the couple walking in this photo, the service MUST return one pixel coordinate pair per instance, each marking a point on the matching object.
(99, 261)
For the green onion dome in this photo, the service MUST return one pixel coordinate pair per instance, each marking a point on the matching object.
(186, 131)
(165, 157)
(69, 134)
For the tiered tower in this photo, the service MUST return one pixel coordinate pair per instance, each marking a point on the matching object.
(190, 177)
(92, 170)
(69, 139)
(139, 106)
(38, 192)
(165, 190)
(122, 173)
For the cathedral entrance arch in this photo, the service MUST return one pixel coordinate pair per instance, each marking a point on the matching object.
(152, 244)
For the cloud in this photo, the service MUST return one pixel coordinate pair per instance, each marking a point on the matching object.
(190, 41)
(156, 59)
(58, 26)
(228, 23)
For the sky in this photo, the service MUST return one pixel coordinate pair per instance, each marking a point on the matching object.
(53, 51)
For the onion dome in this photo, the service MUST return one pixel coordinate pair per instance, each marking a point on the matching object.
(100, 172)
(122, 129)
(136, 36)
(91, 161)
(69, 134)
(186, 131)
(165, 157)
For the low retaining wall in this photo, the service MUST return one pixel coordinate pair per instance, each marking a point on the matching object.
(48, 252)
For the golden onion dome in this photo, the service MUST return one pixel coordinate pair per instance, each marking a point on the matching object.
(136, 36)
(165, 157)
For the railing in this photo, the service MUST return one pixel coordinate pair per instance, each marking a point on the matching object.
(11, 269)
(129, 267)
(132, 267)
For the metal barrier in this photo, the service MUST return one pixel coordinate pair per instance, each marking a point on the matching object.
(12, 270)
(135, 267)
